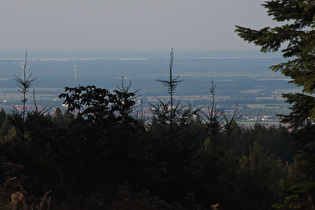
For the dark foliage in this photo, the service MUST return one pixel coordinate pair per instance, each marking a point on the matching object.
(102, 157)
(295, 38)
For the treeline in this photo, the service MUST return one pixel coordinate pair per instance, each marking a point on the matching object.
(98, 155)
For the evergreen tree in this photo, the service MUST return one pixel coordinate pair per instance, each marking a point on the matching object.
(62, 119)
(2, 116)
(298, 35)
(213, 121)
(296, 40)
(168, 111)
(24, 83)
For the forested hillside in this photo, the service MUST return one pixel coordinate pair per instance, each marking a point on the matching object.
(99, 156)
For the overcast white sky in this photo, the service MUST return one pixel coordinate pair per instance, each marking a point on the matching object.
(127, 25)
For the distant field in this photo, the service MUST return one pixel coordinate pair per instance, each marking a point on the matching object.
(262, 123)
(39, 92)
(266, 106)
(245, 81)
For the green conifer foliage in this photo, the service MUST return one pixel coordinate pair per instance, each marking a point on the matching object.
(295, 38)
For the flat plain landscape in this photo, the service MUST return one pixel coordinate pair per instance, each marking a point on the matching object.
(239, 79)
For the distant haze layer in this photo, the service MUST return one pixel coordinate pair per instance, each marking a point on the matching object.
(135, 25)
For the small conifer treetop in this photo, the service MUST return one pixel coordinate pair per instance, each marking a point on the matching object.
(171, 84)
(24, 83)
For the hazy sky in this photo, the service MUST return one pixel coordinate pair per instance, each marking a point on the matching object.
(127, 25)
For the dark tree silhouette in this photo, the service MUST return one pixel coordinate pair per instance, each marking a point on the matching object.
(24, 83)
(296, 40)
(171, 84)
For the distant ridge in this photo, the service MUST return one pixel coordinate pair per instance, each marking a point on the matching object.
(142, 55)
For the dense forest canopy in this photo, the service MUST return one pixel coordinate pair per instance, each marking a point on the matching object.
(98, 155)
(101, 157)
